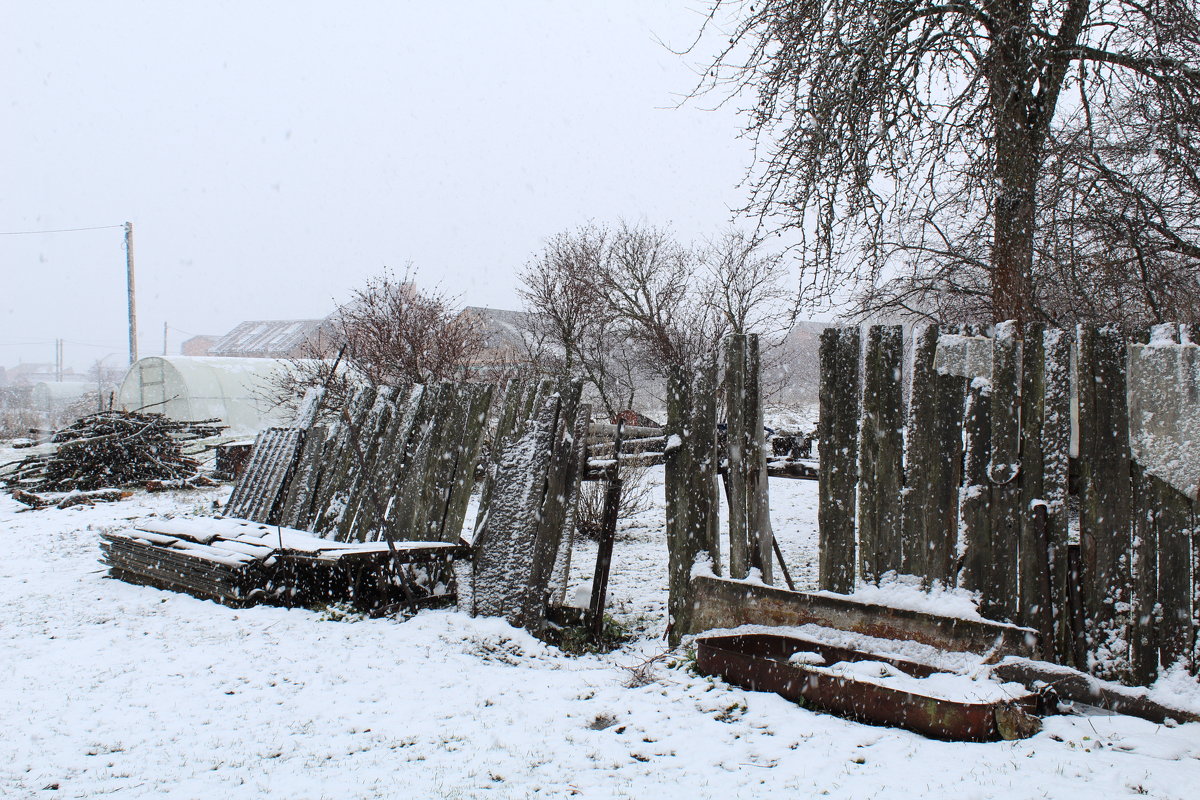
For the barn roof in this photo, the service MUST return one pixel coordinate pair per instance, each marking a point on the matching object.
(501, 327)
(266, 338)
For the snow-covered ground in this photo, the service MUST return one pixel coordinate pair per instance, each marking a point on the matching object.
(124, 691)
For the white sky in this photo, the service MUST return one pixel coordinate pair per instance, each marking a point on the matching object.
(273, 155)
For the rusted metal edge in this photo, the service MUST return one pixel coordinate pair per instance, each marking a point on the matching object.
(759, 662)
(725, 603)
(1079, 687)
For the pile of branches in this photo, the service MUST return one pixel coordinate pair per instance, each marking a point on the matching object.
(113, 449)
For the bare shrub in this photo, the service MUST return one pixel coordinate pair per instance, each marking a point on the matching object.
(636, 497)
(389, 333)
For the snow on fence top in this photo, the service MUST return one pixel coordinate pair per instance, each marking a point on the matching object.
(1164, 412)
(965, 356)
(1164, 400)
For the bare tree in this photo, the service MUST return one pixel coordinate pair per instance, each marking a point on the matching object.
(107, 379)
(574, 331)
(651, 283)
(622, 306)
(1118, 222)
(746, 284)
(877, 122)
(388, 333)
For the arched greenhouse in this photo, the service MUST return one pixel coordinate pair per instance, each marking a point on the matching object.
(234, 390)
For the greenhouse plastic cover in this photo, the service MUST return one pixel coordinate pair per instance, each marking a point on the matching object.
(234, 390)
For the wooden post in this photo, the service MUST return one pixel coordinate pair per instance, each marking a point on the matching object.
(297, 505)
(608, 535)
(932, 472)
(1195, 337)
(1143, 639)
(1036, 602)
(1056, 451)
(562, 476)
(507, 425)
(757, 484)
(1178, 580)
(976, 520)
(1033, 557)
(1105, 503)
(359, 491)
(338, 460)
(1004, 467)
(678, 511)
(919, 456)
(390, 475)
(467, 459)
(706, 460)
(504, 553)
(941, 526)
(838, 465)
(406, 514)
(881, 480)
(690, 460)
(579, 455)
(735, 471)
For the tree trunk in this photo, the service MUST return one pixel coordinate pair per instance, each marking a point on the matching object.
(1017, 157)
(1012, 245)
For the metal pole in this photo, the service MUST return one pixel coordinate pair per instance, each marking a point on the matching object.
(129, 282)
(164, 338)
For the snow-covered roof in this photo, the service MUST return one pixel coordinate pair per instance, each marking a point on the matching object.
(502, 327)
(263, 338)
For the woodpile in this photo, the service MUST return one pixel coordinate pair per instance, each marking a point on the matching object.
(68, 499)
(113, 449)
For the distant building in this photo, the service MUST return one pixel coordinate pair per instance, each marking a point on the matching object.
(286, 338)
(635, 418)
(31, 373)
(198, 345)
(505, 336)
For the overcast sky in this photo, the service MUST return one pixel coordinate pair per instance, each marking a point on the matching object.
(272, 156)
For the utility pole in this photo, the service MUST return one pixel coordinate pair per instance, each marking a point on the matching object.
(129, 282)
(58, 360)
(164, 337)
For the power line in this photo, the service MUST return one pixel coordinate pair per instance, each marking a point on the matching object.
(60, 230)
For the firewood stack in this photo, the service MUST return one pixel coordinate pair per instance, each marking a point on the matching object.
(113, 449)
